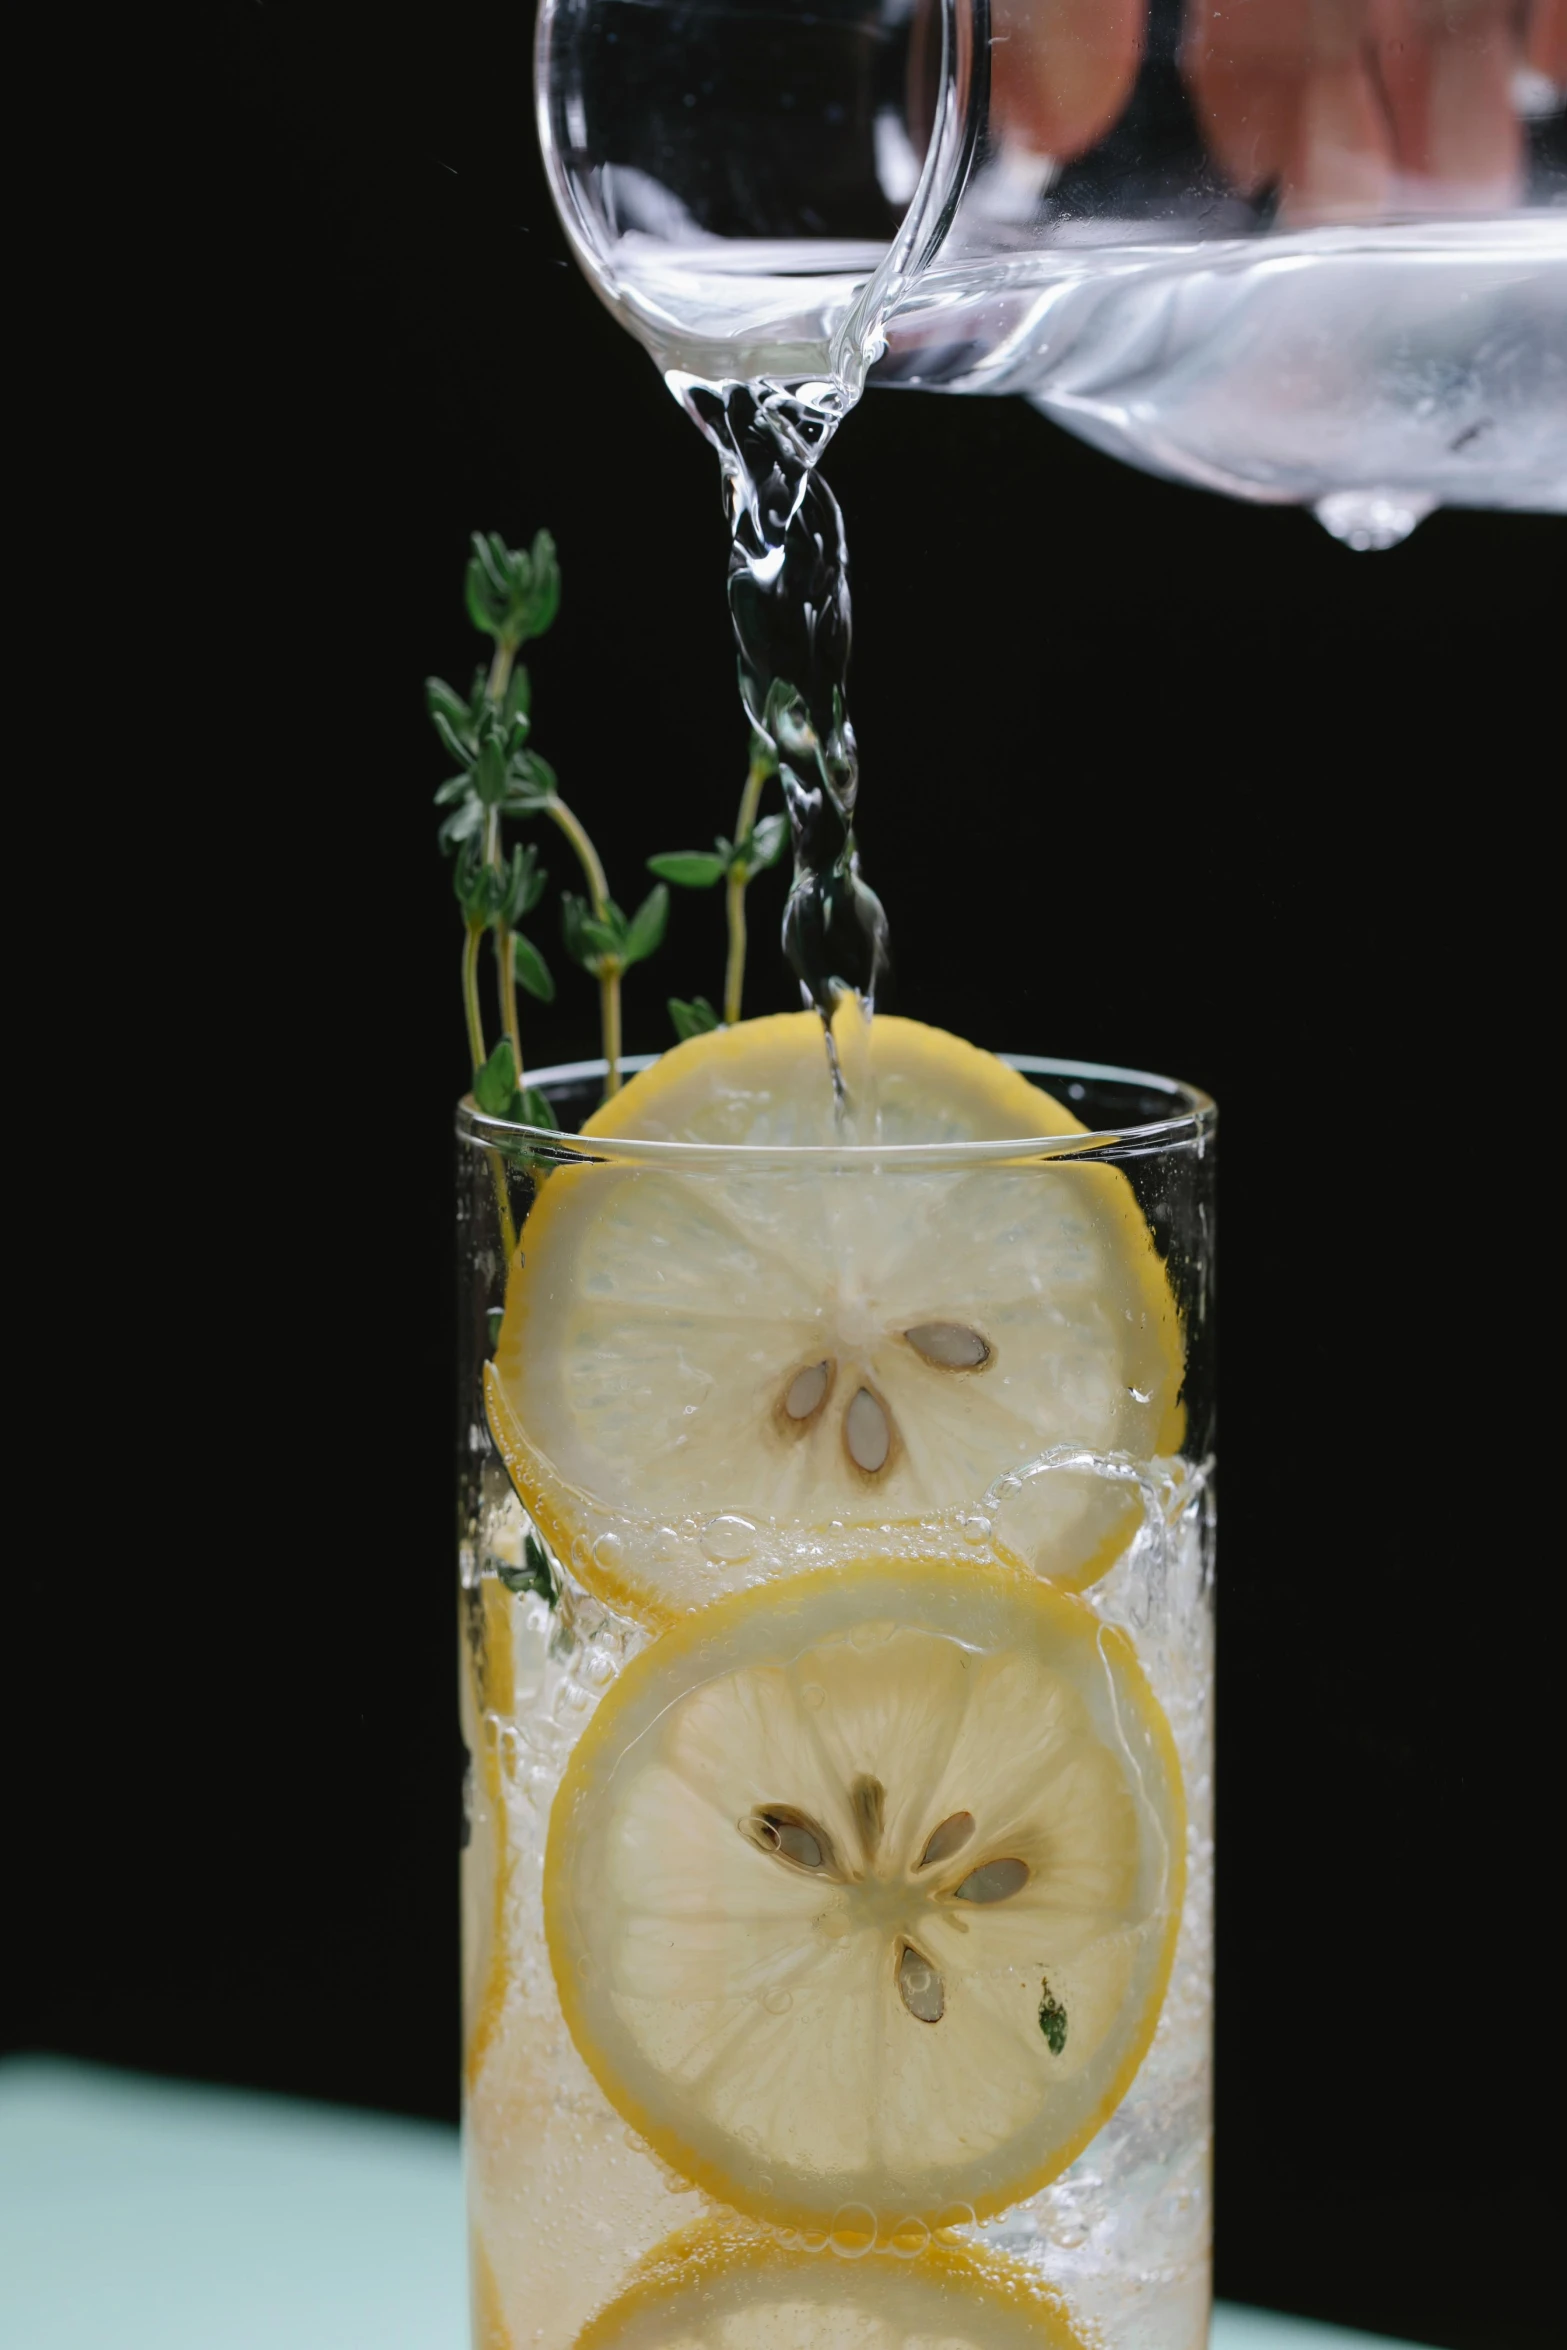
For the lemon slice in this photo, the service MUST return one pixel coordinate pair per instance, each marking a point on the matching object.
(713, 2286)
(706, 1376)
(861, 1891)
(489, 2328)
(486, 1697)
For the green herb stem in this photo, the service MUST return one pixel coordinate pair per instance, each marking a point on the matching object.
(734, 968)
(609, 972)
(609, 1021)
(587, 854)
(745, 825)
(505, 953)
(470, 996)
(506, 958)
(500, 671)
(506, 962)
(470, 993)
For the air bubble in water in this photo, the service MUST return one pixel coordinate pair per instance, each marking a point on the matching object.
(608, 1552)
(729, 1540)
(777, 2000)
(952, 2216)
(853, 2231)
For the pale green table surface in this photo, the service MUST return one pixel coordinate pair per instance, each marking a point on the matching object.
(145, 2215)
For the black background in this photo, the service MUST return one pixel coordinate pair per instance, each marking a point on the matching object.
(1225, 799)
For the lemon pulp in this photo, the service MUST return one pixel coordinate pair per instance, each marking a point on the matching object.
(861, 1891)
(706, 1375)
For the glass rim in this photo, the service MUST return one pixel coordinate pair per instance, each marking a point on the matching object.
(1192, 1122)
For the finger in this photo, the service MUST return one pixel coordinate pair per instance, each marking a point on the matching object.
(1248, 115)
(1339, 162)
(1545, 41)
(1285, 93)
(1243, 65)
(1062, 70)
(1447, 67)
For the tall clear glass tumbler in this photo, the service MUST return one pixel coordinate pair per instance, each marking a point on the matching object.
(837, 1872)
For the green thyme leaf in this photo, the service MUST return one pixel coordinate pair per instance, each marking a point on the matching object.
(489, 772)
(531, 969)
(471, 882)
(692, 1019)
(461, 825)
(443, 701)
(541, 775)
(519, 698)
(689, 868)
(524, 886)
(456, 787)
(492, 1323)
(1052, 2020)
(530, 782)
(645, 931)
(589, 941)
(573, 913)
(512, 593)
(460, 744)
(537, 1109)
(534, 1577)
(495, 1083)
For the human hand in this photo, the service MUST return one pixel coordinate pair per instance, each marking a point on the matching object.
(1352, 108)
(1358, 108)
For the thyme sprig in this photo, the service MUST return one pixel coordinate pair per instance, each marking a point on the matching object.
(695, 1018)
(512, 596)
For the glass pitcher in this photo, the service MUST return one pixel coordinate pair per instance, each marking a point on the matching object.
(1301, 251)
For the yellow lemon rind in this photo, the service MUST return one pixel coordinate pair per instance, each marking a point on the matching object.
(490, 2331)
(491, 1689)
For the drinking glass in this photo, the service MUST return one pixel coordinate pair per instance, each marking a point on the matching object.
(668, 2107)
(1297, 253)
